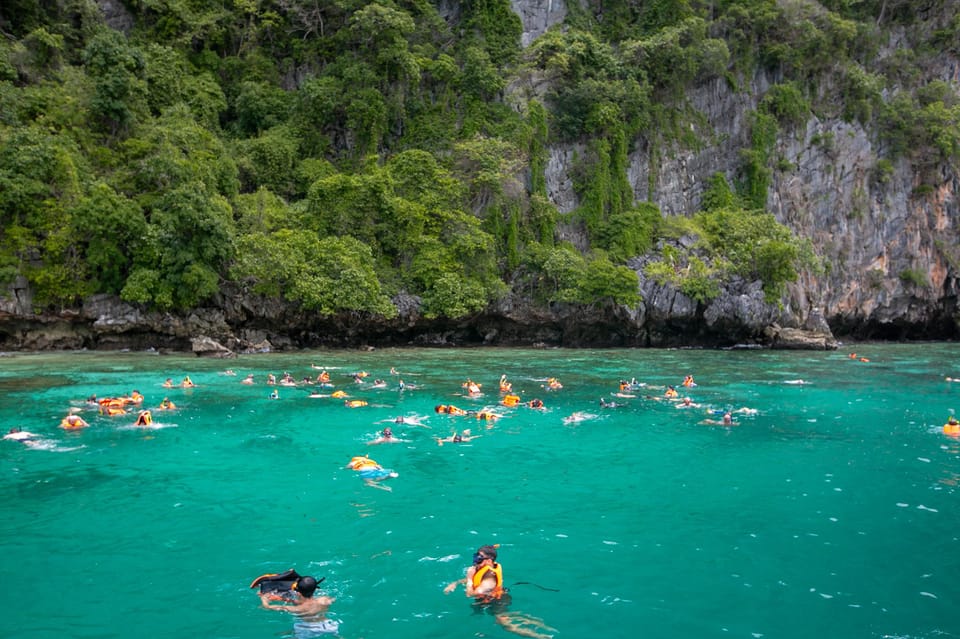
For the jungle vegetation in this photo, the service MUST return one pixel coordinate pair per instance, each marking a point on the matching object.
(338, 153)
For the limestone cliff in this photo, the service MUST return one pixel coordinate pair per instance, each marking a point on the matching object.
(890, 248)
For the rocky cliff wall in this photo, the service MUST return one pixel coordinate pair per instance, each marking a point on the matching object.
(879, 241)
(871, 234)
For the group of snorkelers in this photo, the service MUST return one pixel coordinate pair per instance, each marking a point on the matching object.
(671, 393)
(483, 583)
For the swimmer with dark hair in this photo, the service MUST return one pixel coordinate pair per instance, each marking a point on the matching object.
(300, 600)
(24, 437)
(457, 438)
(386, 437)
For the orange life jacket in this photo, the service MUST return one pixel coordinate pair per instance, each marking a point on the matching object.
(497, 570)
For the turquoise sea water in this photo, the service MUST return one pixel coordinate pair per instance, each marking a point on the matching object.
(832, 512)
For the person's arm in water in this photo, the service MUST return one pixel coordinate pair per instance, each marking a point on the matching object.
(465, 581)
(266, 598)
(471, 591)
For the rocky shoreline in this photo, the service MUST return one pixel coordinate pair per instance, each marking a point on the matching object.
(240, 324)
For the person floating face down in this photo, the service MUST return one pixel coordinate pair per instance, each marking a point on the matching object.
(484, 583)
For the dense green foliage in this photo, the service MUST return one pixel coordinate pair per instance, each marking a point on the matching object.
(339, 153)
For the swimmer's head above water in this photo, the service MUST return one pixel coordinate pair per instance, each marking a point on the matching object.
(306, 586)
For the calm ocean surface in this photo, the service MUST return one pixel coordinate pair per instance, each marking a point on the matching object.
(830, 513)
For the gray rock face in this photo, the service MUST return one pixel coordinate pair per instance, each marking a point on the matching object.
(204, 346)
(892, 269)
(116, 15)
(538, 16)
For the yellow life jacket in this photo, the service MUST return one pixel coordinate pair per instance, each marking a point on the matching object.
(362, 463)
(497, 570)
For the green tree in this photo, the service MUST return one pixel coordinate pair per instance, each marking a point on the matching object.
(110, 226)
(328, 276)
(190, 241)
(602, 282)
(118, 72)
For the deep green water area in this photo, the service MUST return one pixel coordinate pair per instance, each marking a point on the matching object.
(830, 512)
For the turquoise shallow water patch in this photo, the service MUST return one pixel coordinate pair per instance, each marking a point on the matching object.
(830, 512)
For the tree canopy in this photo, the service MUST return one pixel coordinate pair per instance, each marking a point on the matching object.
(337, 154)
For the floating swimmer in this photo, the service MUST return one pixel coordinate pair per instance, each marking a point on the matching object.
(166, 404)
(552, 384)
(449, 409)
(144, 418)
(688, 381)
(457, 438)
(370, 471)
(354, 403)
(686, 402)
(535, 403)
(25, 437)
(73, 422)
(386, 437)
(727, 420)
(577, 417)
(473, 388)
(406, 420)
(510, 400)
(248, 379)
(505, 386)
(112, 406)
(952, 427)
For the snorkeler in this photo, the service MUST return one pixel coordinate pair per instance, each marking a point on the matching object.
(371, 472)
(386, 437)
(310, 610)
(457, 438)
(73, 422)
(484, 583)
(25, 437)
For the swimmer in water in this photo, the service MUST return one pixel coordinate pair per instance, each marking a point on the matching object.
(371, 472)
(23, 436)
(457, 438)
(578, 416)
(386, 437)
(310, 610)
(686, 402)
(727, 420)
